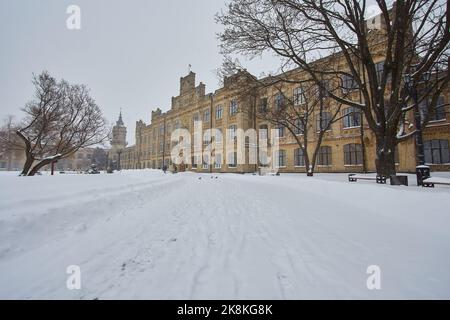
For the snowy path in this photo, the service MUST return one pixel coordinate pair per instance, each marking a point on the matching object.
(148, 235)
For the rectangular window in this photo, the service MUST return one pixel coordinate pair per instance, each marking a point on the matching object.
(436, 151)
(299, 96)
(324, 156)
(206, 139)
(299, 127)
(280, 131)
(281, 158)
(205, 162)
(348, 83)
(196, 160)
(299, 158)
(439, 111)
(219, 111)
(352, 154)
(195, 117)
(379, 68)
(218, 161)
(232, 131)
(323, 122)
(206, 116)
(233, 107)
(263, 132)
(232, 160)
(263, 105)
(352, 117)
(279, 101)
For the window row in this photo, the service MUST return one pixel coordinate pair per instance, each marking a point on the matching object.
(352, 156)
(218, 112)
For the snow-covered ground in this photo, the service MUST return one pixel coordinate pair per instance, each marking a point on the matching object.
(143, 234)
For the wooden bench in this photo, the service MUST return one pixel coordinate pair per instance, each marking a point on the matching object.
(430, 182)
(352, 177)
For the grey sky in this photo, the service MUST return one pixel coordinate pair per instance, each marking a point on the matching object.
(130, 53)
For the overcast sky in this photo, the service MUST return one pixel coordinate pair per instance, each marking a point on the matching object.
(131, 53)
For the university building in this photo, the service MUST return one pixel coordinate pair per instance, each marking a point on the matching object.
(341, 149)
(348, 145)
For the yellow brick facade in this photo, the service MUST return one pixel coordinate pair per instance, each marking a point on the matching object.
(152, 148)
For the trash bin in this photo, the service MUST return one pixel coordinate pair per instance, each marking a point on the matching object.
(422, 173)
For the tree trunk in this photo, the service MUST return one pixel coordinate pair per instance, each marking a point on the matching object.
(309, 168)
(28, 163)
(28, 153)
(385, 157)
(41, 164)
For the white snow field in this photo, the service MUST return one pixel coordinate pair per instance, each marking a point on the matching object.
(146, 235)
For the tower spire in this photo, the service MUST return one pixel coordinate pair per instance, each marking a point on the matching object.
(120, 121)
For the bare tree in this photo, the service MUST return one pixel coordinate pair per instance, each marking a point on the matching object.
(307, 116)
(412, 37)
(61, 119)
(293, 103)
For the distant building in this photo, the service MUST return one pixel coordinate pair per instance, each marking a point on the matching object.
(118, 143)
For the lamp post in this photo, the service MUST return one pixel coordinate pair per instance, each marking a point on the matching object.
(411, 87)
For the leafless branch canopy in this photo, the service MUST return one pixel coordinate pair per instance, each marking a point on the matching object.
(335, 39)
(61, 119)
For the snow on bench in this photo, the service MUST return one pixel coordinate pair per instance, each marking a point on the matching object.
(353, 177)
(430, 182)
